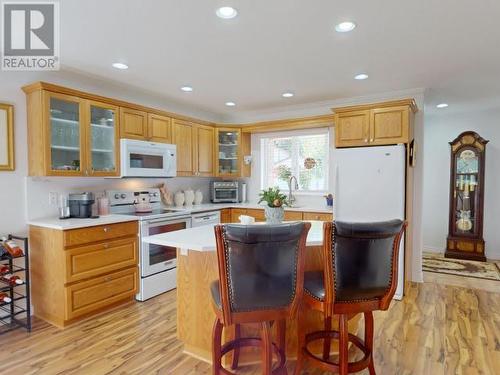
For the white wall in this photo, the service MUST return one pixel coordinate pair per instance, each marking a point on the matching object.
(14, 185)
(441, 128)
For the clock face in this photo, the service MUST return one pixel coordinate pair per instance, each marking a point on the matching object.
(467, 162)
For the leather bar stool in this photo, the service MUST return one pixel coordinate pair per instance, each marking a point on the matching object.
(360, 276)
(261, 275)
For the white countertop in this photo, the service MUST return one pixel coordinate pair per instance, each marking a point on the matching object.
(65, 224)
(203, 238)
(56, 223)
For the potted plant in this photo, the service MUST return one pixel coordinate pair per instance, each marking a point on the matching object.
(275, 200)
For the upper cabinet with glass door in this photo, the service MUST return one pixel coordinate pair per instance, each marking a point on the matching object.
(228, 152)
(71, 136)
(103, 139)
(65, 131)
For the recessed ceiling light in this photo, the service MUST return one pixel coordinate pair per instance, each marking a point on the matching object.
(186, 88)
(361, 76)
(226, 12)
(230, 104)
(345, 27)
(287, 94)
(442, 105)
(120, 66)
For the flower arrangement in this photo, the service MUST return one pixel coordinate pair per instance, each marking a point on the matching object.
(273, 197)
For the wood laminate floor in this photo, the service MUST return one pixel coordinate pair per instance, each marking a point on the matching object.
(437, 329)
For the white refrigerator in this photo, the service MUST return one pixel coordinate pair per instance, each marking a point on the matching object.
(370, 186)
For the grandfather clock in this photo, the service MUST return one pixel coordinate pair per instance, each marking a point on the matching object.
(465, 234)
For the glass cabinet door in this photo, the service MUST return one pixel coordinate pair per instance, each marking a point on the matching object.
(465, 197)
(228, 149)
(103, 139)
(65, 135)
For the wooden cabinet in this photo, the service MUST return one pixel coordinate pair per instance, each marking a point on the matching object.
(352, 128)
(93, 295)
(93, 260)
(145, 126)
(317, 216)
(82, 271)
(204, 151)
(293, 215)
(260, 216)
(71, 136)
(159, 128)
(389, 125)
(235, 214)
(195, 148)
(231, 146)
(373, 125)
(225, 215)
(183, 137)
(134, 124)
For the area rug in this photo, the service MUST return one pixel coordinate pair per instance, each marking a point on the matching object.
(481, 270)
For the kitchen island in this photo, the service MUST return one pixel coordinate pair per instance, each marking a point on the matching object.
(197, 268)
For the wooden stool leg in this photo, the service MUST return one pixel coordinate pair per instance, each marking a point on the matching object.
(327, 342)
(343, 345)
(216, 347)
(369, 339)
(301, 335)
(281, 340)
(267, 354)
(236, 351)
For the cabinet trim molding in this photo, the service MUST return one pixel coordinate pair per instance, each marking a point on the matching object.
(117, 102)
(393, 103)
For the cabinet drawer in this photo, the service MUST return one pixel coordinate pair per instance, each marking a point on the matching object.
(235, 214)
(88, 296)
(257, 214)
(82, 236)
(293, 215)
(94, 260)
(318, 216)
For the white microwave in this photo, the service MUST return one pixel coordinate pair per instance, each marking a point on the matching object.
(147, 159)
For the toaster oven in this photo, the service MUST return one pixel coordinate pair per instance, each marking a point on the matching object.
(225, 192)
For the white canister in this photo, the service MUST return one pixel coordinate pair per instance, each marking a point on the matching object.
(179, 199)
(198, 197)
(189, 197)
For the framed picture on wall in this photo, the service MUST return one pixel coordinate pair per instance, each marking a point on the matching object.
(6, 137)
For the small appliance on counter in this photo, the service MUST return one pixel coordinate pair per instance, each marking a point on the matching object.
(142, 202)
(80, 205)
(225, 192)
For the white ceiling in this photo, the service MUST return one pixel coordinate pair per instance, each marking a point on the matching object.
(451, 47)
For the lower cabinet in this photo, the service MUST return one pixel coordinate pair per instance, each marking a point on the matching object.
(100, 292)
(259, 215)
(80, 272)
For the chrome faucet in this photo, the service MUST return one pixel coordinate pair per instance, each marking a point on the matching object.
(291, 197)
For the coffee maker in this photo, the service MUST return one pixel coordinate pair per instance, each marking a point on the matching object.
(80, 205)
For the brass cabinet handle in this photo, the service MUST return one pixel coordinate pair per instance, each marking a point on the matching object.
(105, 229)
(366, 140)
(371, 140)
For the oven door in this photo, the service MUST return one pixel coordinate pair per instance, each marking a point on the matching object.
(225, 194)
(157, 258)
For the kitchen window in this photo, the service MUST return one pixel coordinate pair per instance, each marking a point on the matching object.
(303, 154)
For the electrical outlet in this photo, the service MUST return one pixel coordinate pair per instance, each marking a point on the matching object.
(53, 196)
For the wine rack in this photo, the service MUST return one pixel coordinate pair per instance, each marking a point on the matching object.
(16, 313)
